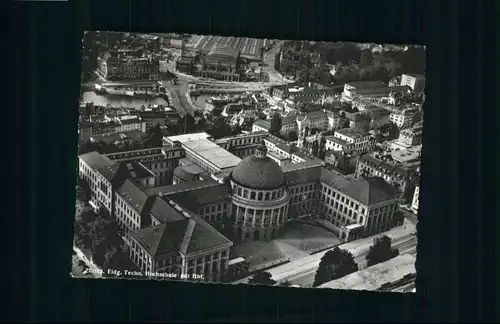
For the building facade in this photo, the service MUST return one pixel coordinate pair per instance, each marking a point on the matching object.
(161, 161)
(115, 67)
(415, 200)
(243, 145)
(411, 136)
(415, 81)
(260, 199)
(405, 178)
(405, 118)
(350, 140)
(88, 129)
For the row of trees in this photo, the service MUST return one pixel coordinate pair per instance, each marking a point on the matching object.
(98, 236)
(337, 263)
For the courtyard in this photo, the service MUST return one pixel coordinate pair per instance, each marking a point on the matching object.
(298, 241)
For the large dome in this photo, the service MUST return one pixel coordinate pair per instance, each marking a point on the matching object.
(258, 172)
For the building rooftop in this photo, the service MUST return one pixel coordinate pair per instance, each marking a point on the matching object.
(288, 120)
(385, 166)
(200, 197)
(368, 191)
(371, 191)
(407, 155)
(337, 140)
(281, 144)
(263, 123)
(95, 160)
(164, 212)
(181, 187)
(187, 137)
(351, 132)
(367, 84)
(301, 166)
(136, 196)
(175, 237)
(258, 172)
(212, 153)
(111, 138)
(375, 276)
(278, 156)
(186, 236)
(307, 173)
(222, 54)
(117, 173)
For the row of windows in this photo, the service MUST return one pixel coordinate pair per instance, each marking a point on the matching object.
(258, 195)
(215, 217)
(374, 170)
(243, 141)
(200, 163)
(213, 208)
(257, 212)
(208, 258)
(332, 193)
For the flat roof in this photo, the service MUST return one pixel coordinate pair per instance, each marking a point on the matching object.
(406, 155)
(351, 132)
(277, 155)
(212, 153)
(302, 165)
(188, 137)
(375, 276)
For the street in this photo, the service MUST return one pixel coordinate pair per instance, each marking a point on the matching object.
(177, 96)
(274, 76)
(306, 278)
(410, 216)
(303, 270)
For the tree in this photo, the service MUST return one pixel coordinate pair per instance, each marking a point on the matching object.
(276, 123)
(380, 251)
(87, 216)
(366, 58)
(82, 237)
(262, 278)
(335, 264)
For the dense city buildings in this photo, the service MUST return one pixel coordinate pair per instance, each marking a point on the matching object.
(121, 66)
(350, 140)
(88, 129)
(236, 160)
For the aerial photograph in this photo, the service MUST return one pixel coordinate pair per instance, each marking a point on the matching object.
(236, 160)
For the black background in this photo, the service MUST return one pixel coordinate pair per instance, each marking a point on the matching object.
(456, 253)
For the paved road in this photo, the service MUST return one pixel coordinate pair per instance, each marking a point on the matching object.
(409, 216)
(177, 96)
(274, 76)
(310, 263)
(306, 278)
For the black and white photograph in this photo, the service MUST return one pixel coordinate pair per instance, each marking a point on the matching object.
(236, 160)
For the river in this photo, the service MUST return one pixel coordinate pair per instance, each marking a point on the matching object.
(120, 101)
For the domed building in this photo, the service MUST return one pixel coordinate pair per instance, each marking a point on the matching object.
(259, 196)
